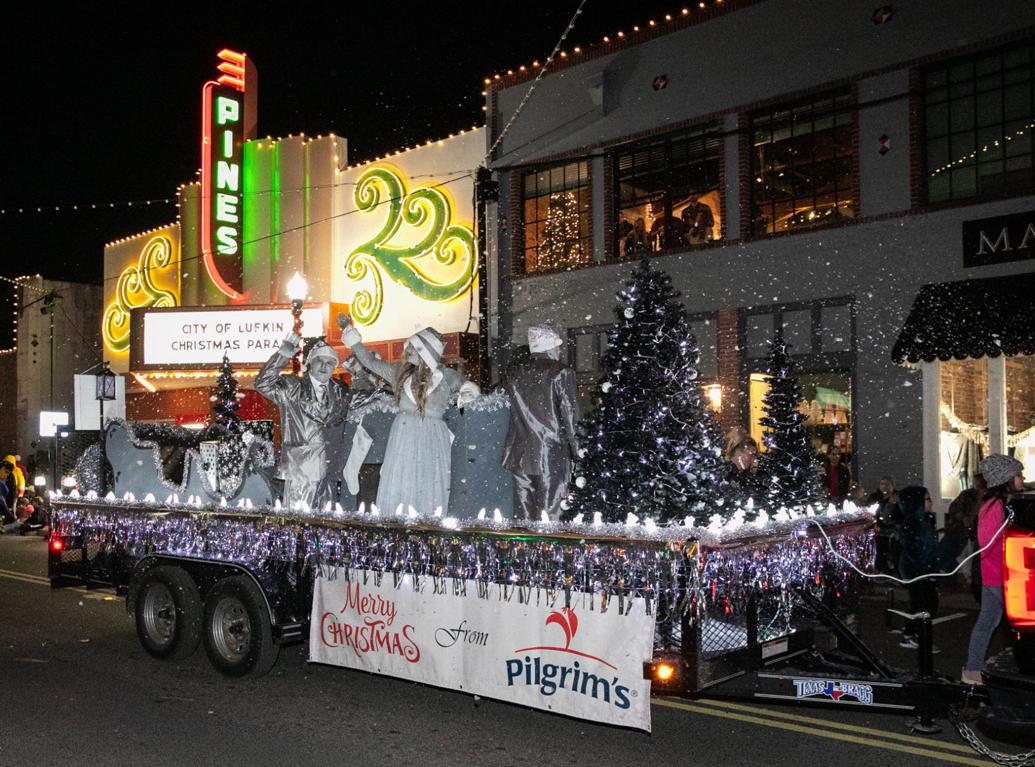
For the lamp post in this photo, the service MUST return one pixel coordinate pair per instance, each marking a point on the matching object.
(297, 288)
(104, 390)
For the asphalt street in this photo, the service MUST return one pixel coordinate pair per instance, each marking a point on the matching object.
(77, 688)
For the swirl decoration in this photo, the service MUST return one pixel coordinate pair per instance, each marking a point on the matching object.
(442, 244)
(136, 288)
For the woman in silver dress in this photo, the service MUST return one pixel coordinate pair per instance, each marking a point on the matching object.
(416, 467)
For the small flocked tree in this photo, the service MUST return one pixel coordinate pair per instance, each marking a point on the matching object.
(788, 465)
(225, 399)
(561, 245)
(651, 446)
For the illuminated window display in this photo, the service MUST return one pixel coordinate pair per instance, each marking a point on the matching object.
(826, 404)
(668, 192)
(978, 121)
(1020, 411)
(963, 410)
(556, 218)
(803, 165)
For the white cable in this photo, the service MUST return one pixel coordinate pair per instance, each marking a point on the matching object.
(1009, 518)
(531, 88)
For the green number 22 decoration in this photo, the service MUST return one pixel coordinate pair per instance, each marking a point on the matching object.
(443, 243)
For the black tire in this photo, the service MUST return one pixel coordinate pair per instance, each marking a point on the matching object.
(238, 633)
(168, 613)
(1024, 652)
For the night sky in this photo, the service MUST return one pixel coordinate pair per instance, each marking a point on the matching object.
(103, 106)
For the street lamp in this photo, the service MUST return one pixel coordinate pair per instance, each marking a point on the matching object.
(105, 391)
(297, 288)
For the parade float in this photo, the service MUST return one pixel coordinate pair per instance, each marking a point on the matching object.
(584, 612)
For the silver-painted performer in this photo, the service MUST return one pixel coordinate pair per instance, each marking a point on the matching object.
(541, 442)
(313, 408)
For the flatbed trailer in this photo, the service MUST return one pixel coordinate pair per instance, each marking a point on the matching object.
(241, 583)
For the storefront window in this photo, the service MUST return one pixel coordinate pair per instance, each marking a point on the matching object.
(668, 192)
(556, 218)
(1020, 411)
(803, 165)
(963, 412)
(978, 122)
(826, 404)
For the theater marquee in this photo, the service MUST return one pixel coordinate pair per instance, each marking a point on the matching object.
(198, 338)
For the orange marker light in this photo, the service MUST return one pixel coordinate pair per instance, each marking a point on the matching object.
(1019, 578)
(664, 672)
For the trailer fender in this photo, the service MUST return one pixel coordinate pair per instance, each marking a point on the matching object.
(205, 573)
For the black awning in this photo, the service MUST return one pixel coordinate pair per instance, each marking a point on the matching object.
(971, 318)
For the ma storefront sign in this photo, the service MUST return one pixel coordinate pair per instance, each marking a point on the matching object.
(999, 240)
(200, 338)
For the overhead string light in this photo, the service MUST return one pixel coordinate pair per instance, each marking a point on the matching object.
(80, 206)
(678, 20)
(989, 147)
(15, 210)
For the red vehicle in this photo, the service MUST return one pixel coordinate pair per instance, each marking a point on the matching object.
(1010, 675)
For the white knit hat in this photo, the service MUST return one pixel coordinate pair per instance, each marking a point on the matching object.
(542, 338)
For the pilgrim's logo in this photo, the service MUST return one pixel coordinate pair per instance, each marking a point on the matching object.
(569, 623)
(418, 247)
(836, 691)
(534, 671)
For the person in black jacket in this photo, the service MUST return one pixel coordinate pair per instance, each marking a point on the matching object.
(961, 524)
(885, 497)
(919, 554)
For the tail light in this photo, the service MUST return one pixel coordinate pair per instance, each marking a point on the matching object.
(1019, 578)
(57, 544)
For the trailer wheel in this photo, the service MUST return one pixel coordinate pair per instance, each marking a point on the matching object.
(238, 632)
(168, 613)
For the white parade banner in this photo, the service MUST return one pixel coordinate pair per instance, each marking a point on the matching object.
(246, 335)
(575, 660)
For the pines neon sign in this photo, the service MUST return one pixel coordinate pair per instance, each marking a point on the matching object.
(224, 129)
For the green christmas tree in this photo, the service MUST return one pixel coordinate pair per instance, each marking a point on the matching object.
(651, 446)
(225, 399)
(561, 246)
(788, 465)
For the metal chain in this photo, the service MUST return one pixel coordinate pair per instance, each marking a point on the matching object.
(967, 733)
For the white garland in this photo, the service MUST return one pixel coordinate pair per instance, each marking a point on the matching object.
(979, 434)
(719, 532)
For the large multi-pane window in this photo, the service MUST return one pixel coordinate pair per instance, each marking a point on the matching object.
(556, 225)
(803, 165)
(668, 192)
(978, 122)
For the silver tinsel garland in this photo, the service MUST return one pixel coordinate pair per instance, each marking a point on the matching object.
(674, 575)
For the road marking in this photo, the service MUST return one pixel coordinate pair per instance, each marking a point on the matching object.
(836, 725)
(871, 741)
(94, 594)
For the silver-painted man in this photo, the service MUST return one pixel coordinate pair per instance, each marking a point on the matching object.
(541, 441)
(313, 408)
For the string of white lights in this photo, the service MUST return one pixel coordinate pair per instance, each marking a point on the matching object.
(82, 206)
(985, 148)
(535, 82)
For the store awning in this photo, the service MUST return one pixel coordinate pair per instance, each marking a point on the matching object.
(970, 318)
